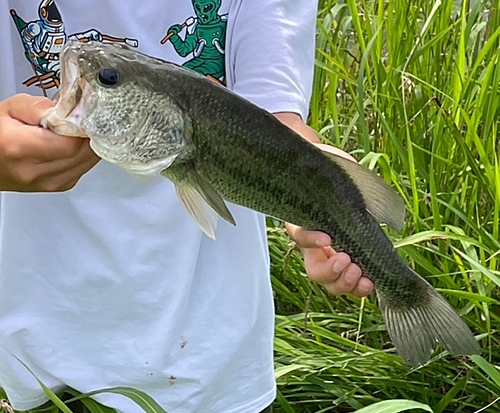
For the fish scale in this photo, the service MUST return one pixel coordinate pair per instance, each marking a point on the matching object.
(159, 118)
(267, 194)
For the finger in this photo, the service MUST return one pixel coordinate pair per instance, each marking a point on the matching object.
(68, 179)
(79, 163)
(64, 180)
(307, 239)
(54, 175)
(28, 109)
(363, 288)
(346, 281)
(45, 146)
(318, 264)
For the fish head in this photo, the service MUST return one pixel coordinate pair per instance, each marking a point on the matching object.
(109, 93)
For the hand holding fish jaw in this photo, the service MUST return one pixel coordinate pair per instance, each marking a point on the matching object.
(33, 159)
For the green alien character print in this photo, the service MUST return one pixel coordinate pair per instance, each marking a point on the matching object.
(205, 37)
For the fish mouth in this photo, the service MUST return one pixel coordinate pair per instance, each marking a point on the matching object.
(71, 90)
(72, 99)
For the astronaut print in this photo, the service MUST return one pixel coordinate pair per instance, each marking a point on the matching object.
(43, 39)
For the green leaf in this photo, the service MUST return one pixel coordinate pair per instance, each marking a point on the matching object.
(492, 371)
(91, 404)
(283, 370)
(477, 266)
(146, 402)
(95, 407)
(393, 406)
(49, 393)
(448, 397)
(470, 296)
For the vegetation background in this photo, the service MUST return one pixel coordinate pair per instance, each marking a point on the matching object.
(411, 89)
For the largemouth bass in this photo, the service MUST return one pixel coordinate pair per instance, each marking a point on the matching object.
(153, 117)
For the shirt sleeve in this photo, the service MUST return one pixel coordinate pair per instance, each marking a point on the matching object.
(270, 51)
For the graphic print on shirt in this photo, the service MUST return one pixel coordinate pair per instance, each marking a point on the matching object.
(44, 38)
(205, 38)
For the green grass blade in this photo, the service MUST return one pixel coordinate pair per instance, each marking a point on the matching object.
(146, 402)
(91, 404)
(48, 392)
(492, 371)
(450, 395)
(394, 406)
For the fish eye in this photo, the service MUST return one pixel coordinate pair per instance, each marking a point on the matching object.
(109, 76)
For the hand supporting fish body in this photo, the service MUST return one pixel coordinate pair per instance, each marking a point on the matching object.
(152, 117)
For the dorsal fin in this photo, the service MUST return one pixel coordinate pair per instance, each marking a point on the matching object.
(381, 200)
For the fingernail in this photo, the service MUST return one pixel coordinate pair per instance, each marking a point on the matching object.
(350, 278)
(364, 287)
(322, 242)
(337, 267)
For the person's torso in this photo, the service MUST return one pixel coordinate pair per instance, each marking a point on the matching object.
(112, 283)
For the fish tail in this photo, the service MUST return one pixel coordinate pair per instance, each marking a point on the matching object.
(414, 330)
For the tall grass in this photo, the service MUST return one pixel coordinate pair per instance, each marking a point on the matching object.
(411, 88)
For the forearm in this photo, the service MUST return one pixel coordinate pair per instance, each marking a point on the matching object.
(295, 122)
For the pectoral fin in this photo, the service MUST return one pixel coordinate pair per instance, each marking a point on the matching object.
(382, 201)
(203, 203)
(200, 211)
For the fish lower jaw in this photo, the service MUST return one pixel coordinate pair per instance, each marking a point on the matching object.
(142, 170)
(54, 122)
(151, 169)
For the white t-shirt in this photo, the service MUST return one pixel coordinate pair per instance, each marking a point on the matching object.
(112, 283)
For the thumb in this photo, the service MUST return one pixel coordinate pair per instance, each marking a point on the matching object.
(28, 109)
(307, 239)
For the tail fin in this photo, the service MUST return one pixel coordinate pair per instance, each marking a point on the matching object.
(415, 330)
